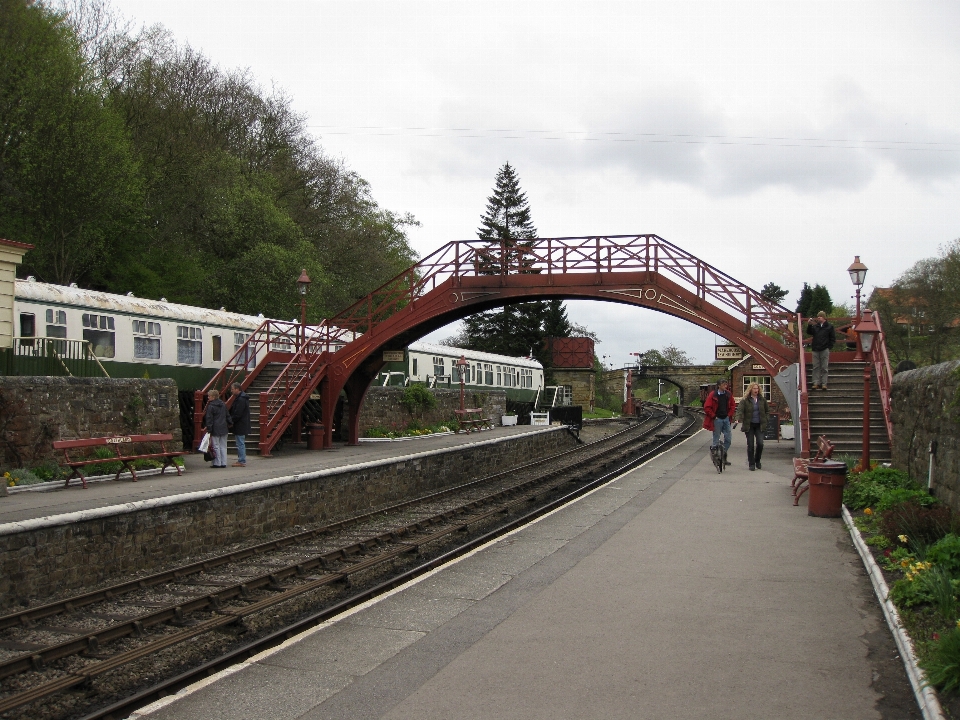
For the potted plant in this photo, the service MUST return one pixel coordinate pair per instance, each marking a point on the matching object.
(509, 418)
(786, 431)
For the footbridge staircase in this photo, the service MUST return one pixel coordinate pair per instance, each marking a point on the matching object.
(283, 365)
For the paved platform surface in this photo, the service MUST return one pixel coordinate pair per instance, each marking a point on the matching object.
(672, 592)
(198, 475)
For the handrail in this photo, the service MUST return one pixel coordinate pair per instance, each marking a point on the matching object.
(881, 366)
(69, 355)
(596, 254)
(804, 418)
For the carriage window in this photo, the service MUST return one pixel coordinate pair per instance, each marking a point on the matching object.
(189, 345)
(28, 325)
(146, 340)
(98, 330)
(438, 367)
(56, 323)
(526, 377)
(217, 348)
(762, 380)
(249, 356)
(499, 376)
(488, 374)
(414, 373)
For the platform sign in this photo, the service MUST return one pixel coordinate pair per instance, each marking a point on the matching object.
(393, 355)
(728, 352)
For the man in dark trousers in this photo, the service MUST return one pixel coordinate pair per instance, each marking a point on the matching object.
(240, 422)
(717, 410)
(824, 338)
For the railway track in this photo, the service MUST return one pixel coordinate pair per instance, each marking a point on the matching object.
(63, 657)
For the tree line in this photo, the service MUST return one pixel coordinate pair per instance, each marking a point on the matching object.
(920, 312)
(133, 163)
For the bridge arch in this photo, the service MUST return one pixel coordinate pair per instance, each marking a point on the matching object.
(467, 277)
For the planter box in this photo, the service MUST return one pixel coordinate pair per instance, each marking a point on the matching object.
(508, 420)
(539, 418)
(786, 432)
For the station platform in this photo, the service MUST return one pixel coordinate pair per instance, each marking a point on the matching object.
(671, 592)
(35, 503)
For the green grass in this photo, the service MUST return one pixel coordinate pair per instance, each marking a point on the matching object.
(600, 413)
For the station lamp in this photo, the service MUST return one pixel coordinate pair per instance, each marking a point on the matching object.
(303, 284)
(858, 274)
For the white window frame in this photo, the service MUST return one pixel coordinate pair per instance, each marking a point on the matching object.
(189, 345)
(762, 380)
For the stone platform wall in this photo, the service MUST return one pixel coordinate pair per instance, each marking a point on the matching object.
(61, 555)
(35, 411)
(926, 407)
(382, 408)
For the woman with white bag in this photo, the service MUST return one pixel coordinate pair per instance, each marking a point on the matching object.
(215, 423)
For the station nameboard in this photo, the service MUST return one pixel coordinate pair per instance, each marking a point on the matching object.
(393, 355)
(728, 352)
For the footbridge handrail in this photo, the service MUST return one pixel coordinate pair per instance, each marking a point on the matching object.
(884, 373)
(568, 255)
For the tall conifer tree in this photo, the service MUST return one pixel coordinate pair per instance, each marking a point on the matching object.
(515, 329)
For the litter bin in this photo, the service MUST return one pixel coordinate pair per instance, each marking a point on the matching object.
(314, 436)
(826, 482)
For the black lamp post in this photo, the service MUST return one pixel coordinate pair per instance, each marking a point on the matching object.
(303, 284)
(858, 273)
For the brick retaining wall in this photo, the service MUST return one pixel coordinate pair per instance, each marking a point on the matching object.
(64, 554)
(35, 411)
(925, 408)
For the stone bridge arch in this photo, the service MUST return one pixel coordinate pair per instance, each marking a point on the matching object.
(686, 378)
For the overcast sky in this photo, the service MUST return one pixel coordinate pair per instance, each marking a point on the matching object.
(775, 140)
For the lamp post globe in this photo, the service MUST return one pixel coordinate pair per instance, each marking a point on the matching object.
(303, 284)
(858, 274)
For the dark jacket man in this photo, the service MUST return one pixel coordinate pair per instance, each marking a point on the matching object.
(824, 335)
(240, 414)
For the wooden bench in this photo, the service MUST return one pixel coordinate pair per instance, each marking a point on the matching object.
(801, 472)
(123, 446)
(471, 419)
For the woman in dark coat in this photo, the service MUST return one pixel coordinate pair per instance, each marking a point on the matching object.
(215, 423)
(752, 412)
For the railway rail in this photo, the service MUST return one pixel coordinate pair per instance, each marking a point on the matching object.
(321, 567)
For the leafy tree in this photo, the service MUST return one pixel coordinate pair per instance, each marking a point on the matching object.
(555, 320)
(516, 329)
(774, 293)
(920, 313)
(136, 164)
(668, 355)
(68, 183)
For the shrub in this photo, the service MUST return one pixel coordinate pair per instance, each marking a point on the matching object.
(945, 553)
(922, 525)
(897, 496)
(107, 468)
(49, 471)
(20, 476)
(417, 398)
(943, 663)
(868, 488)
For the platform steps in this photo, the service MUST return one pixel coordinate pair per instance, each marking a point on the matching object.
(261, 383)
(838, 412)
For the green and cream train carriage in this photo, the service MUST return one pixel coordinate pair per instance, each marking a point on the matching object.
(436, 366)
(127, 335)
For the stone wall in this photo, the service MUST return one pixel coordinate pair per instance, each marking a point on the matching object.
(382, 408)
(62, 554)
(582, 384)
(35, 411)
(925, 408)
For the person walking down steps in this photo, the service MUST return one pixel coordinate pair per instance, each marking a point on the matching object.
(824, 338)
(752, 412)
(717, 409)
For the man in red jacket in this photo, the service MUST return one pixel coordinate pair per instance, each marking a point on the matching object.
(718, 409)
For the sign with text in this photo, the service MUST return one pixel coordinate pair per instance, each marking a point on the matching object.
(393, 355)
(728, 352)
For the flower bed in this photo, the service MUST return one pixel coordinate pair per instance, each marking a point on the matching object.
(53, 473)
(915, 541)
(411, 431)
